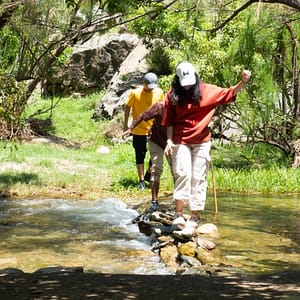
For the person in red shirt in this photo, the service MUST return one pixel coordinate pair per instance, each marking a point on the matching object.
(189, 107)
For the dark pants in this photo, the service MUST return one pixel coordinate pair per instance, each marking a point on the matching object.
(139, 143)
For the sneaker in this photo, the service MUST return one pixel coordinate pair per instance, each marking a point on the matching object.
(154, 205)
(147, 176)
(141, 185)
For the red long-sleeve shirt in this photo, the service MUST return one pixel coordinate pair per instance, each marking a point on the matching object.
(190, 121)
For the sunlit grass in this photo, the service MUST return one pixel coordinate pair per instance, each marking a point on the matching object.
(35, 170)
(72, 118)
(263, 180)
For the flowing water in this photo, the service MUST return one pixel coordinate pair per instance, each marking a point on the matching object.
(257, 234)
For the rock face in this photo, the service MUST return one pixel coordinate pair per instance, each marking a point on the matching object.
(183, 245)
(115, 63)
(92, 65)
(129, 76)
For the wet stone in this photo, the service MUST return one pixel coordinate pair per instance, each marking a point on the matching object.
(184, 247)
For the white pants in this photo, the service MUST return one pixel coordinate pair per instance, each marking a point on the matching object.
(190, 166)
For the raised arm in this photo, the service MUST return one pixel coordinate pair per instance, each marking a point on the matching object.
(246, 74)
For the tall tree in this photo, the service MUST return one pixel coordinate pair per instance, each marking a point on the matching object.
(36, 35)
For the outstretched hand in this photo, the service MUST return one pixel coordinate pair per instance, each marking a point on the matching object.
(246, 74)
(126, 133)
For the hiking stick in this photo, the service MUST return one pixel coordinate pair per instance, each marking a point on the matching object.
(214, 186)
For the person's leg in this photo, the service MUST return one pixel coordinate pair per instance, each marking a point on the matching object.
(148, 171)
(157, 156)
(200, 162)
(182, 166)
(169, 159)
(140, 171)
(140, 146)
(154, 186)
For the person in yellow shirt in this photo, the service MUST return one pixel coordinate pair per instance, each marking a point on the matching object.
(138, 101)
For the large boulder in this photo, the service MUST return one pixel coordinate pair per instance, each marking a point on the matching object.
(130, 75)
(92, 65)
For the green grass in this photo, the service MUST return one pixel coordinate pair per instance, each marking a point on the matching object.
(72, 118)
(266, 180)
(55, 170)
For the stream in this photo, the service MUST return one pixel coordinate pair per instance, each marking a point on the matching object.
(257, 235)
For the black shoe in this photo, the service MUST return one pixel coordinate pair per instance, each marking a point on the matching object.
(154, 206)
(147, 176)
(141, 185)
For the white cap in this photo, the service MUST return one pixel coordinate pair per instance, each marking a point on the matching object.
(151, 80)
(186, 73)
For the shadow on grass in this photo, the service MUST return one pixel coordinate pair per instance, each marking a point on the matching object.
(127, 183)
(70, 286)
(7, 181)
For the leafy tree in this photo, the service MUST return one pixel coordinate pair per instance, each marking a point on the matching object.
(35, 36)
(270, 112)
(12, 105)
(262, 39)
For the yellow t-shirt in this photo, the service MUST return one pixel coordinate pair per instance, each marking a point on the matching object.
(139, 100)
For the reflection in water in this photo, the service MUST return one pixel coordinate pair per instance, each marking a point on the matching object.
(257, 234)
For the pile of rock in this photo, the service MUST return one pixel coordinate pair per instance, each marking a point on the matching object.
(183, 245)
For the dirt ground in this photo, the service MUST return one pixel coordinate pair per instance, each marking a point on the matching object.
(73, 286)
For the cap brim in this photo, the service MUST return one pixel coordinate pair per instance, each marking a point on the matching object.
(151, 86)
(188, 81)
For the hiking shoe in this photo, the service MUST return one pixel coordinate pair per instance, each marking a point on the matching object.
(147, 176)
(141, 185)
(154, 205)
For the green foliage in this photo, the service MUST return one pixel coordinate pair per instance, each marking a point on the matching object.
(8, 49)
(181, 34)
(12, 104)
(40, 34)
(267, 111)
(159, 59)
(242, 156)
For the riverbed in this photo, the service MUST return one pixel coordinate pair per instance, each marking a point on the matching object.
(257, 235)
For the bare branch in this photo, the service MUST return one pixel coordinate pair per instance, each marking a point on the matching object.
(291, 3)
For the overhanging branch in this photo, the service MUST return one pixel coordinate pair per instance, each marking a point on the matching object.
(291, 3)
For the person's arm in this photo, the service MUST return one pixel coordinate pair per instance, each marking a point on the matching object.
(147, 115)
(245, 78)
(135, 122)
(170, 144)
(126, 117)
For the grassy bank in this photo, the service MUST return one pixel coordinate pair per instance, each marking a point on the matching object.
(71, 166)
